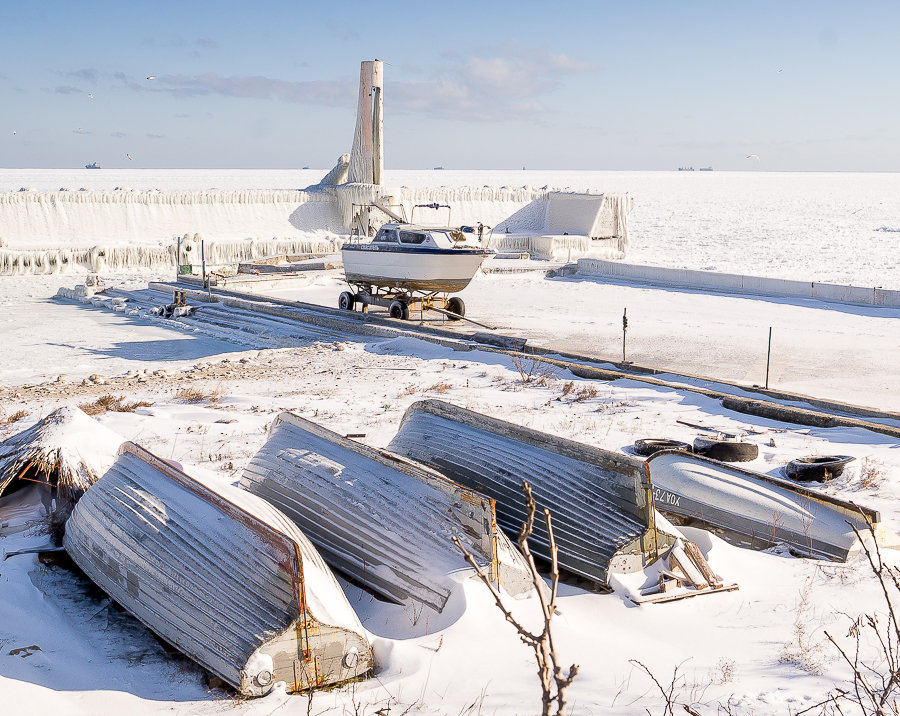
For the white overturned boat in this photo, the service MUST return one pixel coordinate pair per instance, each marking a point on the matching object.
(406, 259)
(758, 511)
(384, 521)
(218, 573)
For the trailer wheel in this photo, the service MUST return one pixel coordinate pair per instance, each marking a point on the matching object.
(818, 468)
(456, 305)
(346, 301)
(726, 450)
(649, 446)
(399, 310)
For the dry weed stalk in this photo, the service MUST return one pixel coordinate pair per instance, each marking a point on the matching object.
(876, 680)
(670, 695)
(553, 682)
(871, 473)
(532, 370)
(806, 652)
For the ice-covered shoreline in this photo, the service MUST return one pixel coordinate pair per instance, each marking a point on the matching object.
(824, 227)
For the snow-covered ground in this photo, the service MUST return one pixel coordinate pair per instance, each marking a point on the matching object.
(760, 650)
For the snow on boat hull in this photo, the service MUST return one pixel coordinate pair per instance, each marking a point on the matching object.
(601, 502)
(380, 519)
(219, 574)
(755, 510)
(438, 270)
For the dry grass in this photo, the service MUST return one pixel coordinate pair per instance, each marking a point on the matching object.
(198, 395)
(871, 473)
(14, 418)
(567, 388)
(439, 388)
(112, 403)
(586, 392)
(807, 650)
(532, 370)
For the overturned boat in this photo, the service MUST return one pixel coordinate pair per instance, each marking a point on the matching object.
(379, 519)
(219, 574)
(755, 510)
(601, 502)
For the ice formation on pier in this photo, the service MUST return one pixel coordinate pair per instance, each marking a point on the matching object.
(50, 232)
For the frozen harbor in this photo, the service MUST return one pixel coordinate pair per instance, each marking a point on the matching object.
(67, 648)
(843, 225)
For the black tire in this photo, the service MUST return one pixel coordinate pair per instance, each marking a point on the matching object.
(816, 468)
(346, 301)
(726, 450)
(399, 310)
(649, 446)
(457, 306)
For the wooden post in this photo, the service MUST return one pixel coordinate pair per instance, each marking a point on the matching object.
(624, 331)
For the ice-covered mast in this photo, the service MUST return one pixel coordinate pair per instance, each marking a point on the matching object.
(367, 155)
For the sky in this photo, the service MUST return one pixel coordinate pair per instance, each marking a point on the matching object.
(763, 86)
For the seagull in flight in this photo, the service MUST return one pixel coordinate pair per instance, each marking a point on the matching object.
(90, 95)
(151, 77)
(753, 156)
(130, 157)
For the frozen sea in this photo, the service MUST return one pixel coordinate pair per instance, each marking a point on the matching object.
(828, 227)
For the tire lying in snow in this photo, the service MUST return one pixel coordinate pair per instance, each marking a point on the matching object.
(816, 468)
(650, 446)
(726, 450)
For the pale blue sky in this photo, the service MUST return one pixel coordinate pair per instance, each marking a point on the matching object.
(469, 85)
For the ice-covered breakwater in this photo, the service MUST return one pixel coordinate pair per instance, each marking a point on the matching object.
(30, 220)
(49, 232)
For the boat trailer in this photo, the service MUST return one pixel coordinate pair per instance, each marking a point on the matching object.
(400, 302)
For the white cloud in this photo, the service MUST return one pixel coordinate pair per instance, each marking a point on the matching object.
(483, 88)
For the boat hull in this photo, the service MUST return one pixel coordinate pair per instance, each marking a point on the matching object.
(601, 503)
(219, 574)
(755, 510)
(439, 270)
(381, 520)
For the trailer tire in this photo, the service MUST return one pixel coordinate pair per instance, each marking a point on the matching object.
(346, 301)
(457, 306)
(816, 468)
(398, 310)
(726, 450)
(648, 446)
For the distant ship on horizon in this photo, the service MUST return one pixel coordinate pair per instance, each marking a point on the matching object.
(92, 165)
(690, 169)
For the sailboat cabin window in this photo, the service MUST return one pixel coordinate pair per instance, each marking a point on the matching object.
(412, 237)
(388, 235)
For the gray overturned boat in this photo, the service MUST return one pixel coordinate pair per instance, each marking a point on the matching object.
(219, 574)
(383, 521)
(601, 502)
(755, 510)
